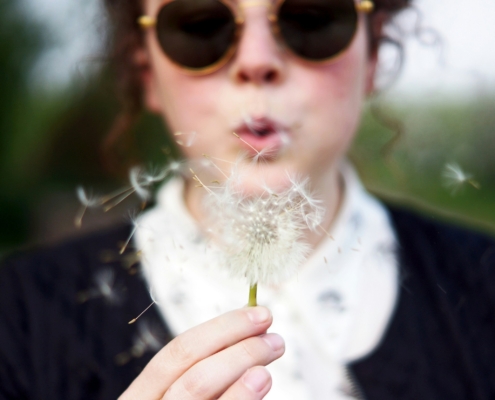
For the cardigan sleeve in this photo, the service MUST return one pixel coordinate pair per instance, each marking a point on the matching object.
(56, 343)
(440, 342)
(15, 365)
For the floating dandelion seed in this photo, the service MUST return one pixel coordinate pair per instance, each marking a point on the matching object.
(104, 281)
(141, 181)
(207, 157)
(117, 197)
(148, 339)
(256, 127)
(185, 139)
(129, 261)
(455, 178)
(135, 226)
(261, 155)
(262, 237)
(132, 321)
(173, 167)
(312, 213)
(87, 201)
(156, 175)
(264, 154)
(246, 143)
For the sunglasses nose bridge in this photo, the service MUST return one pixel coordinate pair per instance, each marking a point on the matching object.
(258, 55)
(243, 5)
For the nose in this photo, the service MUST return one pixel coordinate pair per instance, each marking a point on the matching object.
(258, 59)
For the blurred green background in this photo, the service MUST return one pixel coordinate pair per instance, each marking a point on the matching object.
(50, 141)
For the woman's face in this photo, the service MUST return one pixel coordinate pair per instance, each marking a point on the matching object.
(300, 116)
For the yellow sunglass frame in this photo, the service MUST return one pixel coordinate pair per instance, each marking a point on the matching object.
(147, 22)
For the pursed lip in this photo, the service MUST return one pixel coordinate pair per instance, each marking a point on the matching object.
(262, 135)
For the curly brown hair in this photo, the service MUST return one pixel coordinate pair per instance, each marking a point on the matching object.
(126, 38)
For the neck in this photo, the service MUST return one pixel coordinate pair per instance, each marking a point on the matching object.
(331, 189)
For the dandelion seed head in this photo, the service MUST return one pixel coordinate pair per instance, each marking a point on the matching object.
(262, 236)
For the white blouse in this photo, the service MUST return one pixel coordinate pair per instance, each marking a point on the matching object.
(334, 311)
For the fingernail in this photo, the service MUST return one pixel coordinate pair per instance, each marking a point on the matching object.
(256, 379)
(274, 341)
(259, 315)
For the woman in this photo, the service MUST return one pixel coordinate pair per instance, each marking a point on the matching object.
(387, 306)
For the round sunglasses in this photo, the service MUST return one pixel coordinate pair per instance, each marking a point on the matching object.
(202, 35)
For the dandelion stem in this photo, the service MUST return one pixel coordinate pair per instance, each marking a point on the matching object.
(253, 291)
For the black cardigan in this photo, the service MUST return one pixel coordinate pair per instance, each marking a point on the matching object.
(440, 343)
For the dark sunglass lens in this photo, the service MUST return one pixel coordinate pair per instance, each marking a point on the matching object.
(317, 29)
(195, 33)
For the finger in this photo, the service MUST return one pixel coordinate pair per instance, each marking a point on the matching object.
(253, 385)
(214, 375)
(193, 346)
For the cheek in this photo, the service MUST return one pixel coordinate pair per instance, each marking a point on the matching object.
(342, 83)
(334, 96)
(337, 95)
(182, 99)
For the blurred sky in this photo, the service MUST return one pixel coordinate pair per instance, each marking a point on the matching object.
(463, 65)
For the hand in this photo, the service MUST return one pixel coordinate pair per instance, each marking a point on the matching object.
(219, 359)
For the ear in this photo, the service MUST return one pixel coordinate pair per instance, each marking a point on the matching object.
(150, 95)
